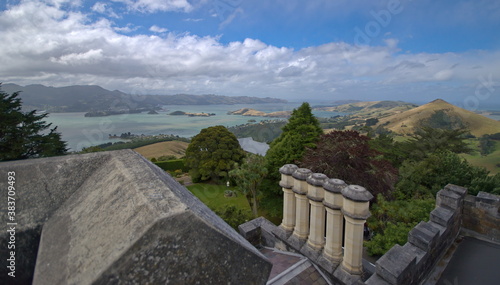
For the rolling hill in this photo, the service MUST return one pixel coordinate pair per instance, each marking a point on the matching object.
(439, 113)
(370, 109)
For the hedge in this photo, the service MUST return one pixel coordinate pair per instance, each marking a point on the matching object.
(173, 165)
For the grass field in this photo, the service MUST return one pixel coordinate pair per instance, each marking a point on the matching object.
(213, 196)
(176, 148)
(489, 161)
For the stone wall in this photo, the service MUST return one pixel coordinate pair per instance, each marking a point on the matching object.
(482, 215)
(427, 242)
(114, 217)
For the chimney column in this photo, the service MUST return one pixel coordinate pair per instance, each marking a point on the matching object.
(356, 210)
(287, 181)
(335, 219)
(315, 194)
(301, 230)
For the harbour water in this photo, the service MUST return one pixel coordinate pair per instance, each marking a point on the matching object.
(80, 131)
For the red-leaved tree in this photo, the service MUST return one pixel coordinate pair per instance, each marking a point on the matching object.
(347, 155)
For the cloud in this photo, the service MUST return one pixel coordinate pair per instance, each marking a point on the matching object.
(157, 29)
(103, 8)
(193, 20)
(58, 47)
(153, 6)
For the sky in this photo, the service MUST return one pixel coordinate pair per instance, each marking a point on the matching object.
(323, 50)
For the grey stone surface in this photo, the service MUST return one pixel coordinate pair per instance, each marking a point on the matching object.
(346, 278)
(442, 216)
(288, 169)
(42, 186)
(423, 236)
(357, 193)
(488, 198)
(259, 232)
(461, 191)
(316, 179)
(376, 280)
(301, 174)
(396, 265)
(449, 199)
(481, 216)
(334, 185)
(115, 218)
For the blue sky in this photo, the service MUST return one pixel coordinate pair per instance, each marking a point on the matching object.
(317, 49)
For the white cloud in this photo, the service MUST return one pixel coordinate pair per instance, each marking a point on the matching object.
(104, 8)
(157, 29)
(55, 47)
(153, 6)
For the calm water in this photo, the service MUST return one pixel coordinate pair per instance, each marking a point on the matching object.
(80, 131)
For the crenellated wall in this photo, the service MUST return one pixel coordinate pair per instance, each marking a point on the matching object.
(481, 216)
(427, 242)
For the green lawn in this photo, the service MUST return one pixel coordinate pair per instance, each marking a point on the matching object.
(213, 196)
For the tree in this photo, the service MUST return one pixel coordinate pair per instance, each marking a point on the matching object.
(390, 149)
(347, 155)
(24, 134)
(421, 179)
(248, 178)
(391, 221)
(212, 154)
(301, 131)
(427, 140)
(486, 145)
(371, 122)
(233, 216)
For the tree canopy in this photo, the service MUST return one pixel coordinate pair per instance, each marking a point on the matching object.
(301, 131)
(347, 155)
(427, 140)
(248, 177)
(213, 153)
(422, 179)
(25, 134)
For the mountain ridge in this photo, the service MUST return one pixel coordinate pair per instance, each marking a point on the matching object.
(86, 98)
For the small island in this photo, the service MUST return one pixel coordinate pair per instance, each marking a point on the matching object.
(255, 113)
(181, 113)
(104, 113)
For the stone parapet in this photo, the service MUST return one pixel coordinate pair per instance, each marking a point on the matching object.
(481, 216)
(427, 242)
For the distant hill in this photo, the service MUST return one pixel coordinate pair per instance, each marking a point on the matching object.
(371, 109)
(86, 98)
(175, 148)
(442, 114)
